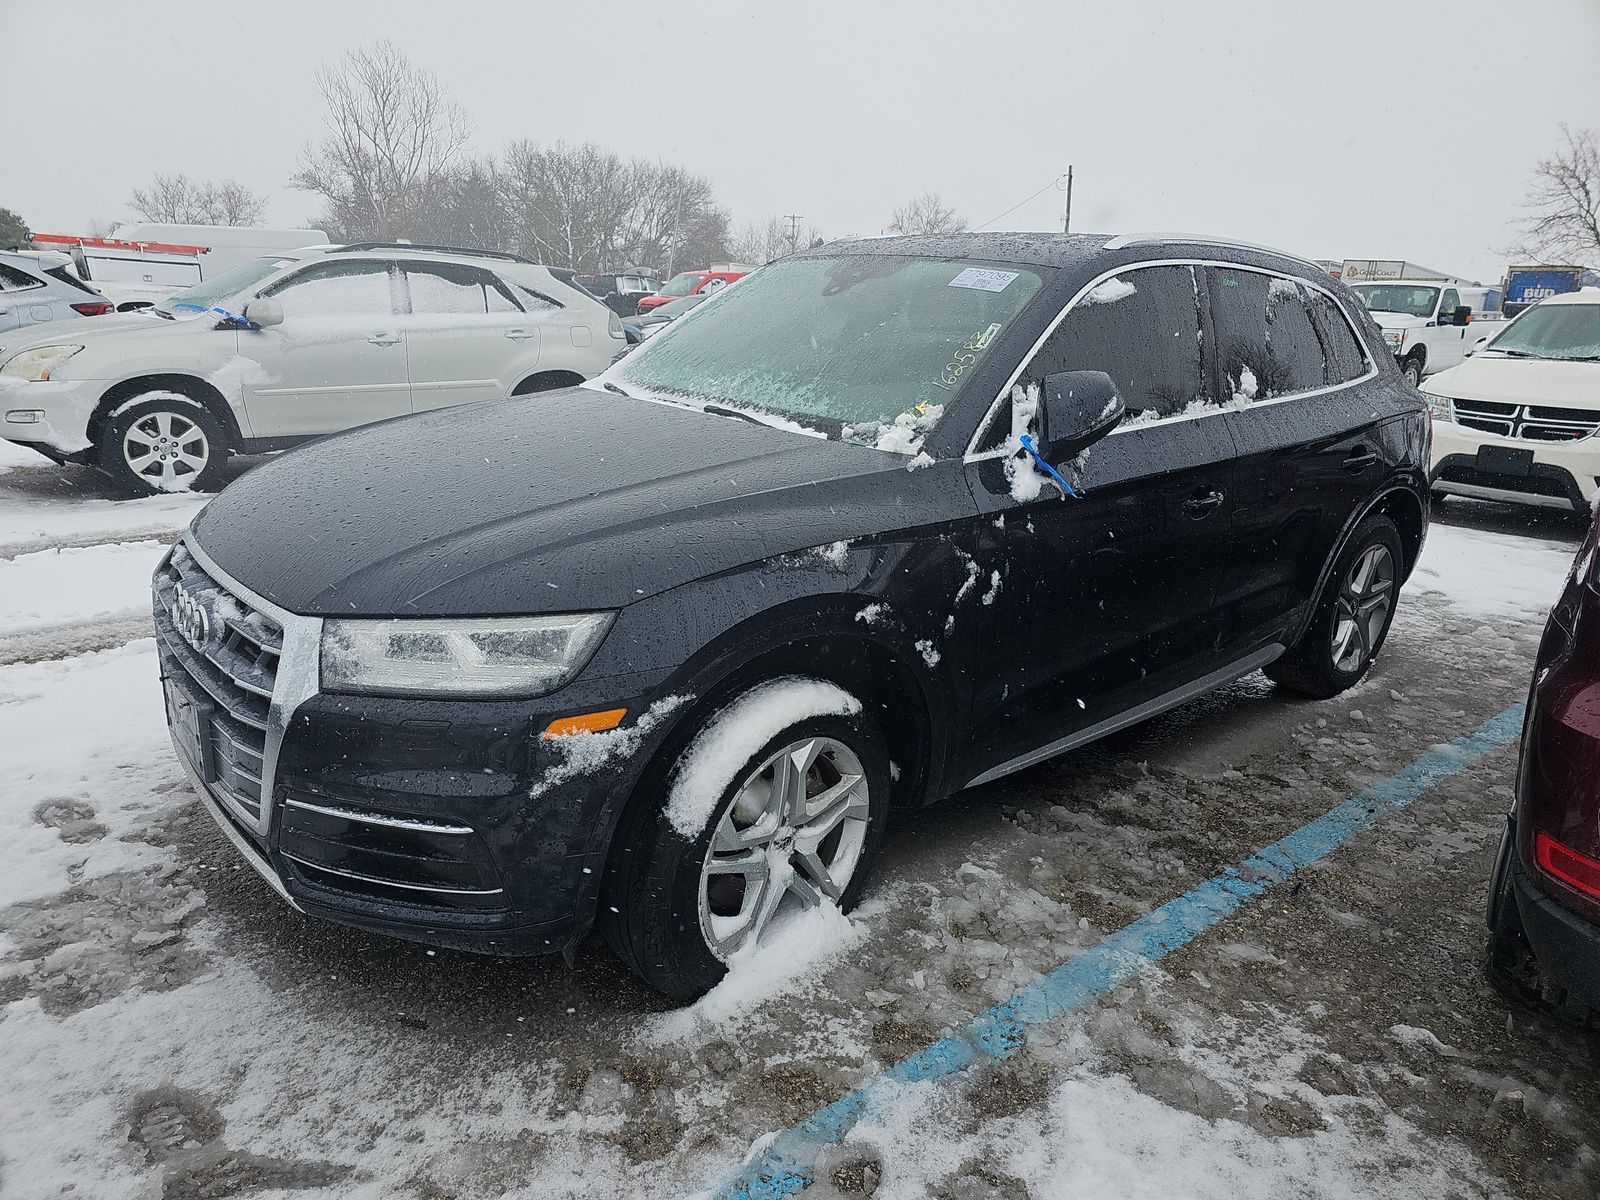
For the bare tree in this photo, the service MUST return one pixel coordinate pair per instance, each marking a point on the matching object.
(927, 214)
(179, 200)
(1565, 202)
(762, 242)
(393, 138)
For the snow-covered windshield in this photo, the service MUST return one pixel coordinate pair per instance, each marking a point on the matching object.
(1399, 298)
(680, 285)
(1560, 331)
(222, 287)
(845, 345)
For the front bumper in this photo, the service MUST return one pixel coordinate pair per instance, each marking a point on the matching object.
(1487, 466)
(422, 819)
(59, 414)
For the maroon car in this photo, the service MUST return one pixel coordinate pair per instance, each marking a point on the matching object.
(1544, 899)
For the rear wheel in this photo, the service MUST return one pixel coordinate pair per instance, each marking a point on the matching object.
(163, 441)
(791, 826)
(1352, 616)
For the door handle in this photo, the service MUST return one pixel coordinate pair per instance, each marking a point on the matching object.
(518, 335)
(384, 339)
(1201, 503)
(1360, 459)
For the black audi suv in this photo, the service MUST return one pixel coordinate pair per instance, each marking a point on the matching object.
(889, 519)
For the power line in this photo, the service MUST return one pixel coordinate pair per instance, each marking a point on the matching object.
(1015, 206)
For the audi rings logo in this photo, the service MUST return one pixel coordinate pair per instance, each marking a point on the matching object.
(190, 619)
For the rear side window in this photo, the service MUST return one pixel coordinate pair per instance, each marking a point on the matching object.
(1268, 342)
(13, 280)
(449, 288)
(1339, 343)
(1142, 328)
(68, 278)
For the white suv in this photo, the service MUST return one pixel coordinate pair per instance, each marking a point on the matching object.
(292, 346)
(1520, 419)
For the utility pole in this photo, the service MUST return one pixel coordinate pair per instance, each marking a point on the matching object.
(1066, 206)
(794, 220)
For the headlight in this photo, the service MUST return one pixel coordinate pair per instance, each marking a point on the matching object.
(1394, 338)
(35, 365)
(484, 657)
(1442, 408)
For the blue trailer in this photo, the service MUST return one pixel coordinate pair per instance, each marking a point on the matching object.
(1529, 285)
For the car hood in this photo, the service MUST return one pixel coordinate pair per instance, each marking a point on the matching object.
(1389, 320)
(96, 331)
(565, 501)
(1489, 376)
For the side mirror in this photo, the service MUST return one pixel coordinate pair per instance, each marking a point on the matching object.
(265, 311)
(1080, 408)
(1462, 316)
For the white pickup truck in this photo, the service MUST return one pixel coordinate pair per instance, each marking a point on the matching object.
(1428, 324)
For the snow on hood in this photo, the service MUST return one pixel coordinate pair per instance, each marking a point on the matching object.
(1392, 320)
(1490, 376)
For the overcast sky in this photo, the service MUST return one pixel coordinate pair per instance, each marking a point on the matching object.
(1339, 129)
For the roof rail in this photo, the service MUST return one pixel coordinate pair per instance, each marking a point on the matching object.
(1202, 239)
(355, 247)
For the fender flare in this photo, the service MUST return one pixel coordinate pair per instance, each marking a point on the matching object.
(1416, 493)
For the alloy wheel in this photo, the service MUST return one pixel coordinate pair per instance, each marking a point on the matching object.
(167, 450)
(792, 837)
(1362, 609)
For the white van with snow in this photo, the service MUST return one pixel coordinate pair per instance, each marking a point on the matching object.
(291, 346)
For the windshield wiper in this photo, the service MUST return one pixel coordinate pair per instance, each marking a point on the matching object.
(718, 410)
(611, 387)
(1512, 353)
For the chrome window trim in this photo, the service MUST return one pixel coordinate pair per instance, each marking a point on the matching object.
(1123, 241)
(974, 455)
(299, 675)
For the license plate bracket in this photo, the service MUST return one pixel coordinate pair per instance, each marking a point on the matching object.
(190, 718)
(1505, 460)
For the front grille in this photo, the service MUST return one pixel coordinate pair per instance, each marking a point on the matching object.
(1527, 422)
(225, 660)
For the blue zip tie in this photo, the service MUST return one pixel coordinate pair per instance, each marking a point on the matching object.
(1027, 444)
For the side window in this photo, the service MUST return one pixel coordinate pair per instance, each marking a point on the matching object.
(1296, 352)
(1267, 341)
(1339, 343)
(337, 289)
(449, 288)
(1449, 303)
(13, 280)
(1142, 328)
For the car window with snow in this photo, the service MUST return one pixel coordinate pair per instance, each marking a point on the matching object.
(13, 280)
(216, 292)
(1559, 331)
(1296, 359)
(1399, 298)
(336, 289)
(1341, 349)
(448, 288)
(1142, 328)
(848, 344)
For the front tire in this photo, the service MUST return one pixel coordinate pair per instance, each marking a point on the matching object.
(1352, 616)
(793, 825)
(163, 442)
(1412, 371)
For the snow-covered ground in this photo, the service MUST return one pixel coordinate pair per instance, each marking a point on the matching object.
(168, 1028)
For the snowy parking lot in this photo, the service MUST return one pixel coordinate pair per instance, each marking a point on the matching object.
(169, 1029)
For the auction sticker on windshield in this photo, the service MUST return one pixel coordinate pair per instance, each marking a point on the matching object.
(983, 280)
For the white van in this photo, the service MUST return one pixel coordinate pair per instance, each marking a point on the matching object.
(143, 263)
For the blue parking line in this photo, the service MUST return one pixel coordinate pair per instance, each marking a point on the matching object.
(785, 1166)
